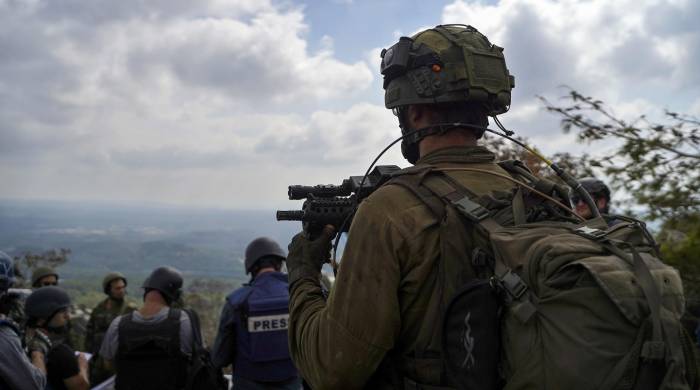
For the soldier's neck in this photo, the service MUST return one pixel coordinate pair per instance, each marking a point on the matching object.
(432, 143)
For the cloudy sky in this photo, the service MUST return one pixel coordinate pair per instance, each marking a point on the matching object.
(217, 103)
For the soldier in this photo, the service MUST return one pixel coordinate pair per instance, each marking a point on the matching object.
(17, 372)
(44, 276)
(252, 334)
(378, 328)
(114, 286)
(600, 193)
(150, 347)
(48, 313)
(75, 329)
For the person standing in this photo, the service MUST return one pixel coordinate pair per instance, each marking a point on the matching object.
(48, 313)
(252, 335)
(114, 286)
(150, 348)
(17, 372)
(379, 328)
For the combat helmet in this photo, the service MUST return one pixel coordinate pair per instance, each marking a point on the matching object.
(109, 278)
(44, 302)
(259, 248)
(451, 63)
(7, 272)
(167, 280)
(596, 188)
(41, 272)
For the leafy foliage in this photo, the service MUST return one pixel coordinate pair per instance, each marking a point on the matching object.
(207, 297)
(680, 245)
(655, 163)
(507, 150)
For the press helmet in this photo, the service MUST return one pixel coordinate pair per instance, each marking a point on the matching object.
(259, 248)
(44, 302)
(451, 63)
(167, 280)
(7, 272)
(109, 278)
(42, 272)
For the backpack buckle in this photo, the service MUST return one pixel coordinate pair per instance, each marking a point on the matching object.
(470, 209)
(590, 233)
(513, 284)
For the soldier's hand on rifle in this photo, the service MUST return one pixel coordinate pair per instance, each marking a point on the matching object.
(306, 256)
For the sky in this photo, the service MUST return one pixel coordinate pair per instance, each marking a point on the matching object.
(224, 104)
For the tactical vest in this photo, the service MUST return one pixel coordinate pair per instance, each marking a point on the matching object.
(262, 351)
(149, 355)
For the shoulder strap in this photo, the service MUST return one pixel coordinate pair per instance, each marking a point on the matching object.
(196, 328)
(465, 201)
(413, 184)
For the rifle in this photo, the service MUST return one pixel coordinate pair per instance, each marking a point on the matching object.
(334, 204)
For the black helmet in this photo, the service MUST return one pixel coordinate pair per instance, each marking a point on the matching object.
(596, 188)
(167, 280)
(42, 272)
(7, 272)
(452, 63)
(259, 248)
(109, 278)
(44, 302)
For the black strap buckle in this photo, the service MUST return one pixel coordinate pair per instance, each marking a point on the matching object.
(470, 209)
(513, 284)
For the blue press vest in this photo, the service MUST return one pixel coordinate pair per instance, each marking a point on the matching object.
(262, 353)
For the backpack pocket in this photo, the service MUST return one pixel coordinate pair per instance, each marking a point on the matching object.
(471, 337)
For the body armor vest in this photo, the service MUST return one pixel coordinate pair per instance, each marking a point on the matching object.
(149, 355)
(262, 352)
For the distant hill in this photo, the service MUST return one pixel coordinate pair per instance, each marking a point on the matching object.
(135, 238)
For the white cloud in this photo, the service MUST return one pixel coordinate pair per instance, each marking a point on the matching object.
(134, 100)
(628, 53)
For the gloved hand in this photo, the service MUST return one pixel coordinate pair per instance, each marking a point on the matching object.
(39, 342)
(306, 257)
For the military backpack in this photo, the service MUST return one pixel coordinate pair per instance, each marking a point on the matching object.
(557, 303)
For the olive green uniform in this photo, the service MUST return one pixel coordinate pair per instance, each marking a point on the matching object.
(100, 319)
(375, 322)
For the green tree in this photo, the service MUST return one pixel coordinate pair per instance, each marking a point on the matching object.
(656, 163)
(680, 244)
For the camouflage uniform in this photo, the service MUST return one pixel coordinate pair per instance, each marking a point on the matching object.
(375, 329)
(100, 319)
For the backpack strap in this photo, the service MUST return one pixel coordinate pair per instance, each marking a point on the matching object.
(411, 180)
(466, 202)
(196, 344)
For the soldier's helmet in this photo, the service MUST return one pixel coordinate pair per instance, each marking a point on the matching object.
(7, 272)
(595, 187)
(259, 248)
(109, 278)
(167, 280)
(44, 302)
(42, 272)
(447, 64)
